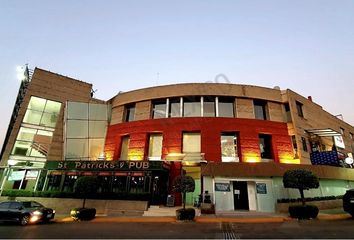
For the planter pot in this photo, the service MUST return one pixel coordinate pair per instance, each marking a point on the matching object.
(187, 214)
(83, 213)
(303, 212)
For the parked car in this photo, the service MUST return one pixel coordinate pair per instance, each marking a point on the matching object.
(25, 212)
(348, 202)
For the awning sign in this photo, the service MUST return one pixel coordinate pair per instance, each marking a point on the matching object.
(105, 165)
(338, 141)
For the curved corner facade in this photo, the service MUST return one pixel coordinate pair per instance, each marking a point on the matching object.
(236, 141)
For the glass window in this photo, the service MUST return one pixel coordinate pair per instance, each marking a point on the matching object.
(37, 104)
(155, 146)
(124, 148)
(159, 109)
(265, 145)
(52, 107)
(226, 107)
(229, 152)
(26, 134)
(97, 129)
(299, 109)
(5, 205)
(209, 106)
(119, 184)
(130, 113)
(15, 205)
(77, 129)
(351, 136)
(341, 131)
(97, 111)
(32, 117)
(77, 148)
(32, 142)
(175, 104)
(96, 148)
(49, 119)
(191, 107)
(260, 109)
(191, 143)
(77, 110)
(42, 112)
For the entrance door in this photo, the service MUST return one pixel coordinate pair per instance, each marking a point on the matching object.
(240, 195)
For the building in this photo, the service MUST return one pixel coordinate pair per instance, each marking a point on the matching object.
(236, 141)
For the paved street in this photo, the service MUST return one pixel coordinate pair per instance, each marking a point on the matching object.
(289, 229)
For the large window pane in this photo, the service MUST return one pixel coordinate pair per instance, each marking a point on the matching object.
(175, 105)
(49, 119)
(32, 117)
(155, 146)
(191, 107)
(124, 148)
(77, 110)
(52, 107)
(97, 111)
(26, 134)
(97, 129)
(77, 148)
(96, 148)
(37, 104)
(191, 143)
(229, 151)
(159, 109)
(226, 107)
(209, 106)
(77, 129)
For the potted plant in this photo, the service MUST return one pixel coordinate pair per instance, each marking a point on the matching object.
(184, 184)
(84, 186)
(302, 180)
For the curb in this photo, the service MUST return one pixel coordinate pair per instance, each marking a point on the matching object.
(105, 219)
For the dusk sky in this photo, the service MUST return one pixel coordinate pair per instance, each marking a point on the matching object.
(303, 45)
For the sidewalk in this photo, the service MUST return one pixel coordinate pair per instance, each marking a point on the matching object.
(235, 217)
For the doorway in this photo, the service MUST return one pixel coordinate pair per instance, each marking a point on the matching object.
(240, 195)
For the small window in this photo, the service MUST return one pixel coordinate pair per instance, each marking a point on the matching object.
(342, 131)
(299, 109)
(293, 140)
(124, 148)
(351, 136)
(304, 144)
(260, 109)
(191, 143)
(130, 113)
(265, 145)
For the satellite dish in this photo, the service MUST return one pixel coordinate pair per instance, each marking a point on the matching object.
(349, 160)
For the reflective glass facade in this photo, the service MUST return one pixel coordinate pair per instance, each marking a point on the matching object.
(86, 126)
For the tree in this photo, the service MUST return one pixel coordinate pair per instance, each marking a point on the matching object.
(184, 184)
(300, 179)
(85, 186)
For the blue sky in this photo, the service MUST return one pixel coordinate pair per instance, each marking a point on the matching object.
(304, 45)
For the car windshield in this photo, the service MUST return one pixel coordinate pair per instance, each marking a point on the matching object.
(32, 204)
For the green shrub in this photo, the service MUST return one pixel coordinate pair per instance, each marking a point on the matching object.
(83, 213)
(303, 211)
(185, 214)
